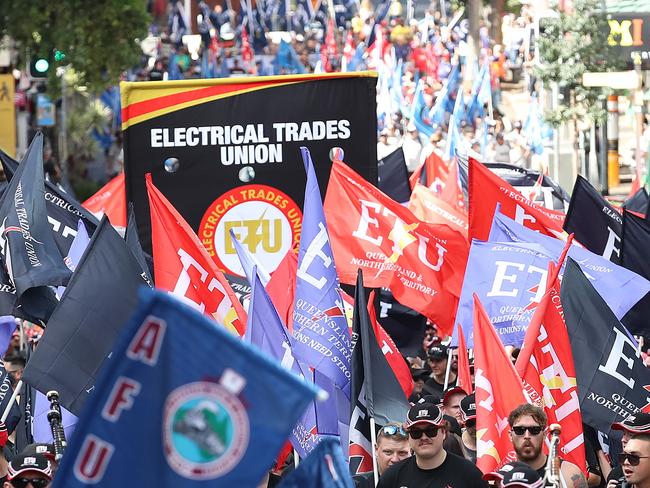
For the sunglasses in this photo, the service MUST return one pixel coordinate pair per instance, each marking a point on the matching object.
(430, 432)
(633, 459)
(393, 429)
(23, 482)
(533, 429)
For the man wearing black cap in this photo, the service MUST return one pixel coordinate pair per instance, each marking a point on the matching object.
(468, 419)
(438, 356)
(31, 471)
(430, 466)
(639, 423)
(515, 475)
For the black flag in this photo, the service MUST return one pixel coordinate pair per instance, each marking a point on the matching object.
(97, 302)
(612, 379)
(637, 202)
(635, 248)
(63, 211)
(31, 256)
(404, 325)
(6, 391)
(394, 177)
(133, 241)
(595, 223)
(375, 391)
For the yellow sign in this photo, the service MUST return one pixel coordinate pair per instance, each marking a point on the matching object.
(7, 115)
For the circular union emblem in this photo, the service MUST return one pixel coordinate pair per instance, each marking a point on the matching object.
(264, 219)
(205, 430)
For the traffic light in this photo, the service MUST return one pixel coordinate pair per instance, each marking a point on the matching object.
(38, 67)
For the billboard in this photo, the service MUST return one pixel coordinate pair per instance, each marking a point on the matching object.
(226, 152)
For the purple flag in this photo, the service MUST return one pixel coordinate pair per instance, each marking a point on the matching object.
(41, 429)
(320, 329)
(77, 248)
(265, 330)
(7, 327)
(619, 287)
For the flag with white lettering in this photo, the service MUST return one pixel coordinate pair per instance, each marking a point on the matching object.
(26, 240)
(183, 267)
(498, 391)
(594, 222)
(510, 280)
(393, 177)
(427, 206)
(613, 382)
(219, 415)
(110, 200)
(266, 331)
(63, 210)
(619, 287)
(404, 325)
(546, 367)
(486, 190)
(422, 264)
(320, 329)
(80, 333)
(133, 241)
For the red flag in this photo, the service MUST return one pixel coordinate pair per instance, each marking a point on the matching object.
(247, 54)
(110, 199)
(432, 173)
(548, 372)
(429, 207)
(325, 59)
(282, 287)
(498, 392)
(183, 267)
(393, 357)
(422, 264)
(330, 40)
(464, 378)
(452, 192)
(486, 190)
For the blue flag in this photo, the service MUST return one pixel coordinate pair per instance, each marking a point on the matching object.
(324, 468)
(439, 109)
(619, 287)
(320, 329)
(187, 402)
(420, 115)
(79, 245)
(248, 262)
(267, 332)
(7, 327)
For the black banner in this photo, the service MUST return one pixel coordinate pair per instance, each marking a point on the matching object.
(100, 297)
(612, 380)
(635, 248)
(550, 195)
(404, 325)
(394, 177)
(595, 223)
(226, 153)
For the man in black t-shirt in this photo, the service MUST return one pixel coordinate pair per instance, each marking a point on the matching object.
(430, 466)
(438, 356)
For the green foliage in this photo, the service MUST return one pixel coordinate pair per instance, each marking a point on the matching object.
(98, 38)
(571, 45)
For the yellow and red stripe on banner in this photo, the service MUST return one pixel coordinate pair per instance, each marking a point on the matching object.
(149, 99)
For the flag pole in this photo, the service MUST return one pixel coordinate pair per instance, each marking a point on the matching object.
(448, 370)
(373, 441)
(5, 414)
(296, 458)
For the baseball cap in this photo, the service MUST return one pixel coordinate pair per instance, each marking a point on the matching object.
(450, 391)
(637, 423)
(21, 464)
(424, 413)
(468, 408)
(517, 474)
(438, 351)
(46, 450)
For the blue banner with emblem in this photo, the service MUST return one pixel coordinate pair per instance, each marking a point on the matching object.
(182, 403)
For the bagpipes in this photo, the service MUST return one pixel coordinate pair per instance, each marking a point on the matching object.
(54, 418)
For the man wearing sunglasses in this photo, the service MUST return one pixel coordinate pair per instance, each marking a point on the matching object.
(29, 471)
(636, 424)
(392, 447)
(635, 460)
(527, 432)
(430, 466)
